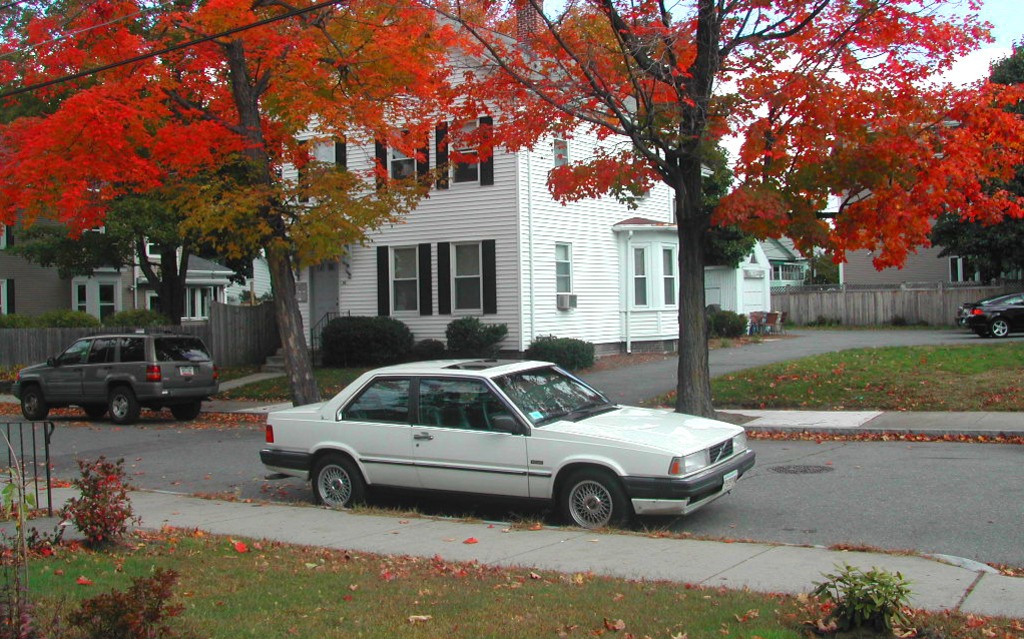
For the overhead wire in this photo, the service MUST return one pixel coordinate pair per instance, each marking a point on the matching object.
(169, 49)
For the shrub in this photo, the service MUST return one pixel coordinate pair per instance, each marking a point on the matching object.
(66, 319)
(726, 324)
(140, 611)
(874, 599)
(821, 320)
(569, 353)
(140, 317)
(16, 321)
(428, 349)
(469, 337)
(103, 510)
(365, 341)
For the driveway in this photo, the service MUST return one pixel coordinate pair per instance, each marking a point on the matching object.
(633, 384)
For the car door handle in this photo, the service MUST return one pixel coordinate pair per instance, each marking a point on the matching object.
(426, 436)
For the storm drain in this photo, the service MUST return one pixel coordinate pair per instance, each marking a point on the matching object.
(797, 469)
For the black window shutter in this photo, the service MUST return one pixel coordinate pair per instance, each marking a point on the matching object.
(441, 136)
(423, 165)
(444, 279)
(383, 281)
(487, 166)
(490, 274)
(9, 236)
(382, 160)
(426, 292)
(9, 302)
(340, 154)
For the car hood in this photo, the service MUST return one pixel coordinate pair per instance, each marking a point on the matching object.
(35, 368)
(660, 429)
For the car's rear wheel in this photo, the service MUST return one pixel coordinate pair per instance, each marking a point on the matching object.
(999, 327)
(33, 404)
(593, 498)
(95, 411)
(124, 407)
(186, 412)
(337, 482)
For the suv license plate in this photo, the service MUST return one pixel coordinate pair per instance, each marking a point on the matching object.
(730, 480)
(187, 371)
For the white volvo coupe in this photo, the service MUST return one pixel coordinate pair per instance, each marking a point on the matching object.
(516, 429)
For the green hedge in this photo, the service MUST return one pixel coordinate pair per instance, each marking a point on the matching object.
(726, 324)
(569, 353)
(469, 337)
(66, 319)
(366, 341)
(138, 318)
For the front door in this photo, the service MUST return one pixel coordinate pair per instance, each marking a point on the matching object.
(455, 446)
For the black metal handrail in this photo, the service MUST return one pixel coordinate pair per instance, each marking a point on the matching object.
(23, 448)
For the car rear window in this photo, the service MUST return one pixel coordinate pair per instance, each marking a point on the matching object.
(179, 349)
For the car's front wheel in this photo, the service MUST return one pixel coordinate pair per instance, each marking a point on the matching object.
(999, 327)
(186, 412)
(33, 404)
(124, 407)
(593, 498)
(337, 482)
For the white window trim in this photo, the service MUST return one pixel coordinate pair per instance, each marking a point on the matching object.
(469, 127)
(4, 228)
(559, 159)
(633, 277)
(674, 275)
(392, 270)
(193, 301)
(92, 293)
(456, 277)
(568, 261)
(3, 297)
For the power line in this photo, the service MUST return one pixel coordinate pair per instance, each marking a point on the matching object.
(165, 50)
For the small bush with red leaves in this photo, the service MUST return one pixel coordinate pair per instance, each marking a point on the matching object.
(103, 510)
(141, 611)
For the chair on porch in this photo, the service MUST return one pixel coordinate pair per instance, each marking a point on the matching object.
(756, 323)
(771, 320)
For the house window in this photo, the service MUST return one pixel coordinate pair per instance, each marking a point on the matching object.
(787, 272)
(6, 297)
(95, 296)
(639, 276)
(467, 170)
(404, 279)
(468, 278)
(668, 272)
(961, 270)
(197, 301)
(402, 166)
(560, 150)
(563, 268)
(6, 236)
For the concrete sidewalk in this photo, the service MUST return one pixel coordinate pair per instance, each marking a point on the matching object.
(936, 585)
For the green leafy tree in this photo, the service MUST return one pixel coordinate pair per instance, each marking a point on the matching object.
(723, 245)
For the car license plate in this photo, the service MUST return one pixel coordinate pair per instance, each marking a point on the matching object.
(187, 371)
(730, 480)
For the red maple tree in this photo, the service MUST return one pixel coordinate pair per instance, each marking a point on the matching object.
(836, 98)
(220, 99)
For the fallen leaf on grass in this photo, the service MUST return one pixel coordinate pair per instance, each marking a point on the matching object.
(83, 581)
(240, 547)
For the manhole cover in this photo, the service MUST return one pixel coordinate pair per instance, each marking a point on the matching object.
(797, 469)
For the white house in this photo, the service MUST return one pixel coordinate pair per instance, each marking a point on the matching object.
(492, 243)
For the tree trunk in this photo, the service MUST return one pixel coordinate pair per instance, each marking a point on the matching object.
(289, 326)
(693, 384)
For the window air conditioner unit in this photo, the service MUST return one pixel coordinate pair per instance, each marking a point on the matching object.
(566, 301)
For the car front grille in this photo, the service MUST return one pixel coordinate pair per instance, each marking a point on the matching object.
(721, 451)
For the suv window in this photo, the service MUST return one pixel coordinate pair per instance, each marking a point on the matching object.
(133, 349)
(180, 349)
(102, 352)
(75, 354)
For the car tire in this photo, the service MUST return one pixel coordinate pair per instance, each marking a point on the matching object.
(124, 407)
(95, 411)
(186, 412)
(999, 327)
(33, 404)
(593, 498)
(337, 482)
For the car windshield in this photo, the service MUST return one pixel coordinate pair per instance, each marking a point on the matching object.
(547, 394)
(180, 349)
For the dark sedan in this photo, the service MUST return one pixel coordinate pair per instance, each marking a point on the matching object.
(994, 316)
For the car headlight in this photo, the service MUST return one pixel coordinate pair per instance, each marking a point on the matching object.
(689, 464)
(739, 443)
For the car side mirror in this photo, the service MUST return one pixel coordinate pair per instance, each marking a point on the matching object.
(51, 361)
(505, 424)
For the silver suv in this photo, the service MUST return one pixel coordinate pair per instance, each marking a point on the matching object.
(122, 374)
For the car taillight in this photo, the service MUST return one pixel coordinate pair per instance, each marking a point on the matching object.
(270, 434)
(977, 311)
(153, 373)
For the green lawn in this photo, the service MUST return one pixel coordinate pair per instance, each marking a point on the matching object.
(921, 378)
(330, 380)
(272, 590)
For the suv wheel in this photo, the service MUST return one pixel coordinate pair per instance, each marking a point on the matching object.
(33, 404)
(124, 408)
(186, 412)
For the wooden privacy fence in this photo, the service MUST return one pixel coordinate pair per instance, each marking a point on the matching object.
(935, 305)
(236, 335)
